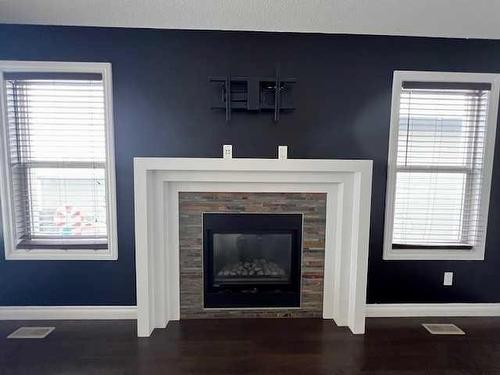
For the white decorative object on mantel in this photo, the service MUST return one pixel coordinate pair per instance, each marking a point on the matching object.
(227, 151)
(158, 181)
(282, 152)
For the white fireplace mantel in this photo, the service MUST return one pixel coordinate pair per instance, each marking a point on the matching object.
(158, 181)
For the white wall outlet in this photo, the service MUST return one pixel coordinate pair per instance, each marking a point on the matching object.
(227, 151)
(448, 279)
(282, 152)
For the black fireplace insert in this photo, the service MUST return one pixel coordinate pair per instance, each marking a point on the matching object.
(252, 260)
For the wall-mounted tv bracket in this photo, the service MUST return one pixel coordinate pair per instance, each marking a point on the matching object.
(254, 94)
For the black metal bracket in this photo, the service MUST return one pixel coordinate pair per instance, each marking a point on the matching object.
(277, 95)
(227, 97)
(254, 94)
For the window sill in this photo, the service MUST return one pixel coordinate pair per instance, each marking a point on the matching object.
(75, 252)
(437, 253)
(62, 245)
(431, 247)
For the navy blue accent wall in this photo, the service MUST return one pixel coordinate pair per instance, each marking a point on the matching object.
(161, 104)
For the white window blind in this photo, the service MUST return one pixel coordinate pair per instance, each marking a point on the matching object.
(57, 159)
(440, 161)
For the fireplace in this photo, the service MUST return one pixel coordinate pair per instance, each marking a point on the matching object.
(171, 195)
(252, 260)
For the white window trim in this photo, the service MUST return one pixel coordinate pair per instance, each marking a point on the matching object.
(477, 252)
(11, 253)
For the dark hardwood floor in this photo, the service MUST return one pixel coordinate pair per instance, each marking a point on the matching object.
(254, 346)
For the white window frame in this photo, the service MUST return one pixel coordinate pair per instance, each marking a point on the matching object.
(6, 193)
(478, 251)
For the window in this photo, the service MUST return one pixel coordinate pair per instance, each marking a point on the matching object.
(440, 162)
(58, 184)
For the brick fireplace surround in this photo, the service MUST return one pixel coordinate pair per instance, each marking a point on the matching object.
(161, 184)
(192, 205)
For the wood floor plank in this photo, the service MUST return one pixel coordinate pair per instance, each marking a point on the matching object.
(255, 346)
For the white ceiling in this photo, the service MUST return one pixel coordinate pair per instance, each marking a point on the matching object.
(443, 18)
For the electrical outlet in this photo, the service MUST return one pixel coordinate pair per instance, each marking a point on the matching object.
(227, 151)
(448, 279)
(282, 152)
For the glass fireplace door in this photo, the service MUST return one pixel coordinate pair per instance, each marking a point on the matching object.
(251, 260)
(241, 258)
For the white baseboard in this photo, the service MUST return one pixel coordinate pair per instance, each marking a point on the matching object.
(384, 310)
(381, 310)
(67, 312)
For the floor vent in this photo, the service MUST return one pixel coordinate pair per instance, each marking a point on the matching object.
(31, 333)
(443, 329)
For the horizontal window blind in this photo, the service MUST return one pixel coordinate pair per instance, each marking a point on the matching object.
(57, 141)
(440, 155)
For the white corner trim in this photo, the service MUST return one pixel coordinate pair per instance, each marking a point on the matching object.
(392, 310)
(67, 312)
(6, 189)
